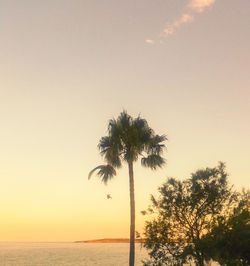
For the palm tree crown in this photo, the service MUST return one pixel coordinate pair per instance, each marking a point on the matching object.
(127, 140)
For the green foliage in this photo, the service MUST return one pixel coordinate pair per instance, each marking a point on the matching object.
(128, 139)
(185, 212)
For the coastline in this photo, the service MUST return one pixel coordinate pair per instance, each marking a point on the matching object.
(109, 240)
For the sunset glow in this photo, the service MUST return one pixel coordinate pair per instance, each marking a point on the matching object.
(67, 67)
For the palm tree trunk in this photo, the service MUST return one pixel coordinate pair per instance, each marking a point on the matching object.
(132, 215)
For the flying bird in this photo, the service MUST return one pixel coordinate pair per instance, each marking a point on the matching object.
(109, 196)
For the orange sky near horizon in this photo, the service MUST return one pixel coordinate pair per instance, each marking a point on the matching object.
(67, 67)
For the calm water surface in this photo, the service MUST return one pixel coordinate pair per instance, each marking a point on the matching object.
(67, 254)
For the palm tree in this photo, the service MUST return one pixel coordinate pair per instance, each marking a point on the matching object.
(128, 139)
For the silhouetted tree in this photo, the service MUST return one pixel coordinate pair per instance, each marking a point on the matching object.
(184, 213)
(229, 241)
(128, 139)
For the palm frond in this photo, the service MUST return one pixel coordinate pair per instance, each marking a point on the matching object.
(153, 161)
(105, 172)
(104, 144)
(110, 150)
(113, 159)
(156, 144)
(124, 120)
(114, 129)
(141, 123)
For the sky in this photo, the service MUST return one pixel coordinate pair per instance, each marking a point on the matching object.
(67, 67)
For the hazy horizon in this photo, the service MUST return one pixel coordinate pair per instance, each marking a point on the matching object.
(67, 67)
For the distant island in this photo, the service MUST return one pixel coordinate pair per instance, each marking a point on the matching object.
(109, 240)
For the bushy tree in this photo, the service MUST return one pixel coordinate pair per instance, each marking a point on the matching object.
(229, 241)
(184, 213)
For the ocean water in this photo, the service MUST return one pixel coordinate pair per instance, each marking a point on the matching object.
(67, 254)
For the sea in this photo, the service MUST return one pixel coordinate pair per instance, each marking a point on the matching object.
(68, 254)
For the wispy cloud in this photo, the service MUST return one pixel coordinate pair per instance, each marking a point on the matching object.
(149, 41)
(188, 16)
(200, 5)
(193, 8)
(171, 28)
